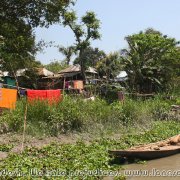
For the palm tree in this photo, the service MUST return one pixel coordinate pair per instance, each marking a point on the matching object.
(67, 52)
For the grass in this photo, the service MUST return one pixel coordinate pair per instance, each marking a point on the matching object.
(93, 117)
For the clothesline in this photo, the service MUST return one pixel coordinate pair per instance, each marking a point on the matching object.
(8, 97)
(14, 86)
(22, 87)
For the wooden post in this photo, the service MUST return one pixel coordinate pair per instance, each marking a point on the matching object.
(121, 96)
(24, 130)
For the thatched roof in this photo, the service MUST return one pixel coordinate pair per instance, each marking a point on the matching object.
(44, 72)
(20, 72)
(77, 69)
(71, 69)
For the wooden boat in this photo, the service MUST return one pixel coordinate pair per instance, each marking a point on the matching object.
(151, 151)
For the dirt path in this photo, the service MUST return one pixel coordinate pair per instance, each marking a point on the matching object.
(16, 141)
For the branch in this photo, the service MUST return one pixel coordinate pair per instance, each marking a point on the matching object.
(88, 34)
(76, 35)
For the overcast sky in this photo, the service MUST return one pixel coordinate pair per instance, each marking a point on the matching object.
(119, 18)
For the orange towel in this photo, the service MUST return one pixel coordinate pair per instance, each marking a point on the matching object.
(8, 98)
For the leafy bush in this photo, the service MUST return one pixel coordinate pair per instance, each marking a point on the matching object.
(76, 114)
(6, 147)
(160, 109)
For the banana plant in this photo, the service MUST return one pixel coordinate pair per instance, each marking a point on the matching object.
(149, 60)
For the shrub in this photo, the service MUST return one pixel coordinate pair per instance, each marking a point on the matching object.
(76, 114)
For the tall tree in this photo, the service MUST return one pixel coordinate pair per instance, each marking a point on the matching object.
(90, 57)
(109, 66)
(85, 31)
(17, 20)
(56, 66)
(150, 60)
(33, 12)
(68, 53)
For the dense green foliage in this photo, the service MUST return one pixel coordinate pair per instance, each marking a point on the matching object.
(18, 18)
(109, 66)
(67, 52)
(75, 114)
(18, 47)
(91, 56)
(56, 66)
(151, 60)
(5, 147)
(35, 12)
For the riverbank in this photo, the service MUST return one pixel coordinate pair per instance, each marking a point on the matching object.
(74, 136)
(86, 156)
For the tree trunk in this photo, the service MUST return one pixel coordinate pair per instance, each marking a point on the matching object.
(82, 66)
(16, 79)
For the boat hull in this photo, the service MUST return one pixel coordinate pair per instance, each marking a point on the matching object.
(145, 154)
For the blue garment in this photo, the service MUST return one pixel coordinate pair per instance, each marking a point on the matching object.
(22, 92)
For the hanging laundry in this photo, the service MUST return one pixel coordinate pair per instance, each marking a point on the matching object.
(78, 84)
(8, 98)
(0, 94)
(50, 95)
(22, 92)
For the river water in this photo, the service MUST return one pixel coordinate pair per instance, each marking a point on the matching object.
(160, 169)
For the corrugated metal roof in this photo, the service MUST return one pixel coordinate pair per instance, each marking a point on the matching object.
(3, 74)
(122, 74)
(20, 72)
(91, 70)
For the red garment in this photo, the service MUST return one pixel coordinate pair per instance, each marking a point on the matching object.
(49, 95)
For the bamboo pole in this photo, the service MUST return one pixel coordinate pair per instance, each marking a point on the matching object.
(24, 129)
